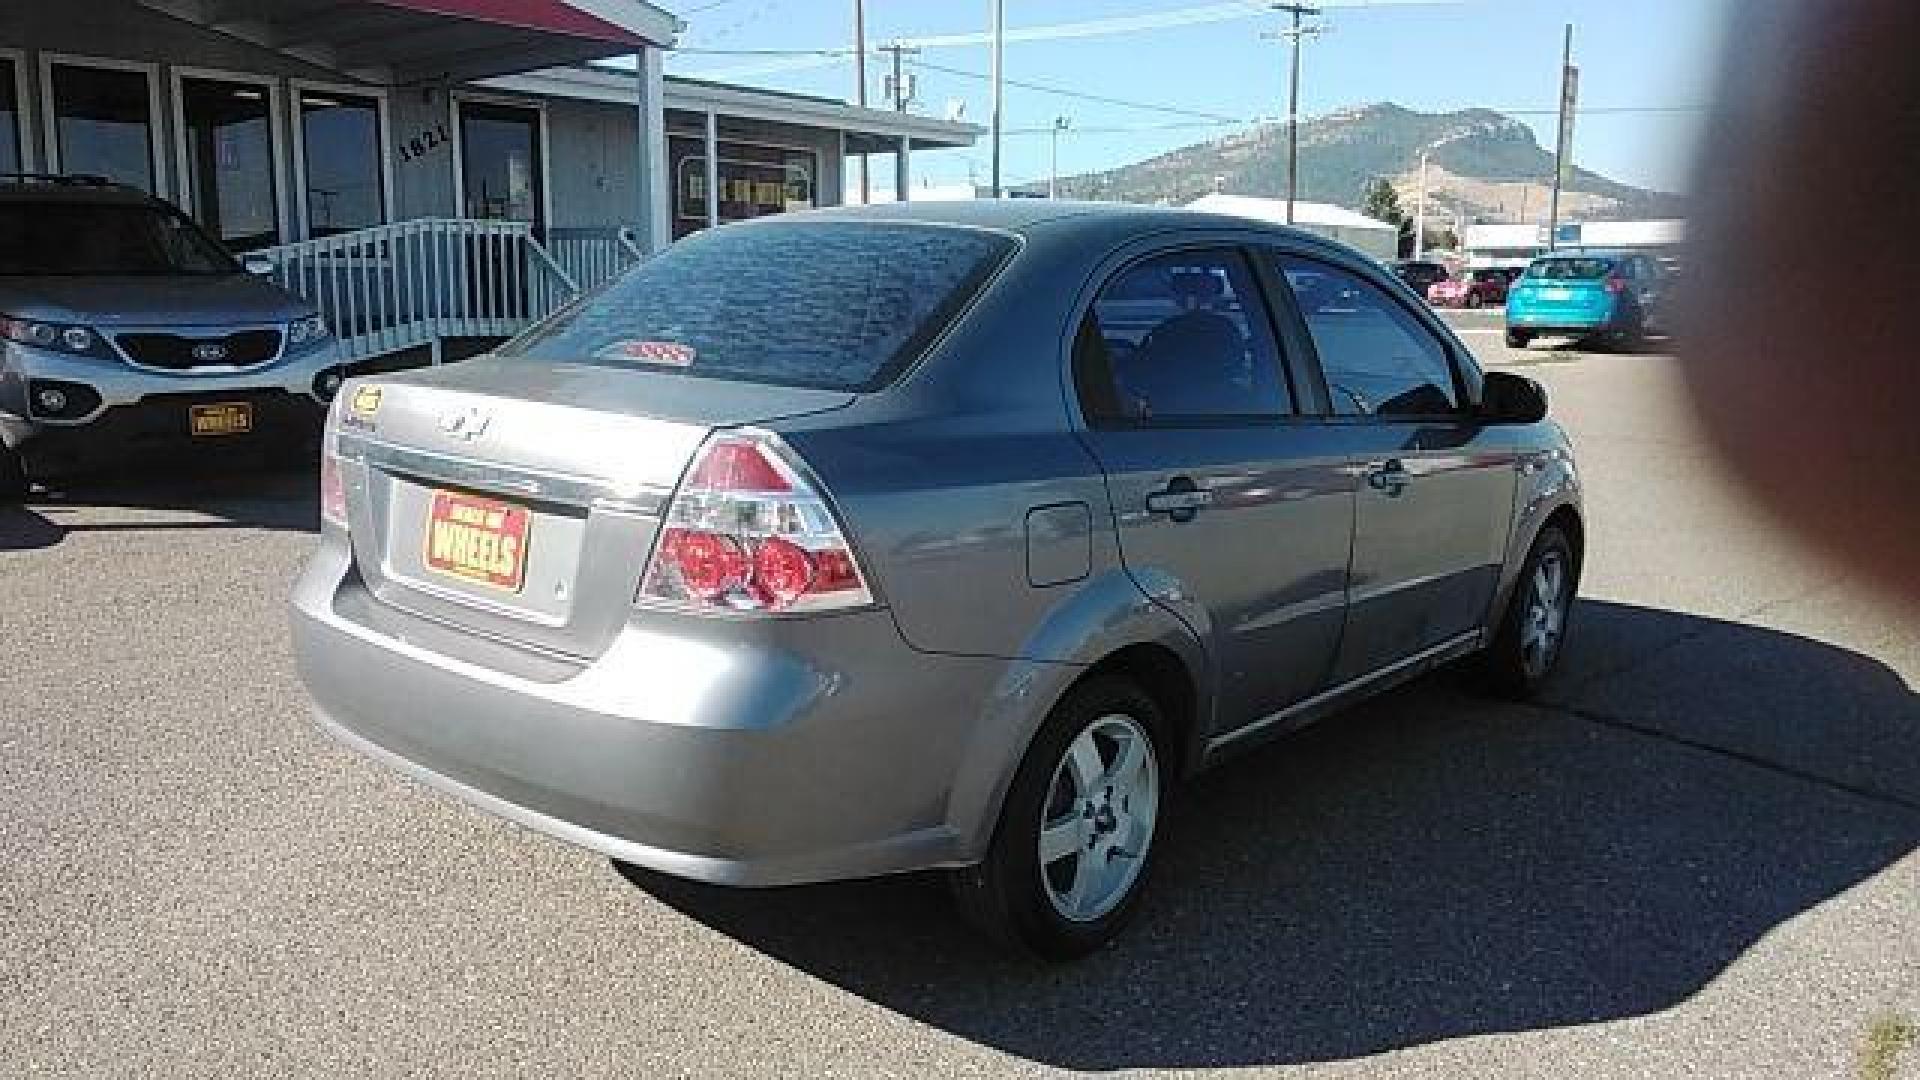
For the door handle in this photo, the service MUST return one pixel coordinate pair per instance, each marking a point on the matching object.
(1391, 477)
(1181, 499)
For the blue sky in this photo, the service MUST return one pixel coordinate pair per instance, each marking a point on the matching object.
(1633, 54)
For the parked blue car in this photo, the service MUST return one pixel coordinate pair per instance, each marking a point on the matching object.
(1612, 297)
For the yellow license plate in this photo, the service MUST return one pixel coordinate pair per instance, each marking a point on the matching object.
(477, 539)
(223, 418)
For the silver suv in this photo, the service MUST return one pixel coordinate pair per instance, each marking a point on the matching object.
(863, 541)
(125, 329)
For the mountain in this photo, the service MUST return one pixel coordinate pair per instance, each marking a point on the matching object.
(1482, 165)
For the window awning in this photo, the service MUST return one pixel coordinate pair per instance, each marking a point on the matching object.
(404, 42)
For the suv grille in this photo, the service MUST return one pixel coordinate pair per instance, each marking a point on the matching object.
(175, 353)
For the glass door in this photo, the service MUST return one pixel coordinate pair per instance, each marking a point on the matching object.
(501, 175)
(229, 161)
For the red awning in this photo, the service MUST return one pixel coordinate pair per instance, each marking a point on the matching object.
(546, 16)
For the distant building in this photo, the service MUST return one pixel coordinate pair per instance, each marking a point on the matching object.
(1519, 244)
(1371, 236)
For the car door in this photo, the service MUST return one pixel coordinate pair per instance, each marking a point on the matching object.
(1435, 487)
(1229, 510)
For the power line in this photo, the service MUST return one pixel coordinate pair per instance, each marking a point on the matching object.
(1062, 91)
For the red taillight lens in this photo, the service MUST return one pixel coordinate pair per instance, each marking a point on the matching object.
(1616, 284)
(747, 532)
(710, 565)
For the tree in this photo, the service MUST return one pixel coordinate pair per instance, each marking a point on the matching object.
(1382, 203)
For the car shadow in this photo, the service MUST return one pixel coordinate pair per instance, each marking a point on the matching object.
(279, 497)
(1427, 867)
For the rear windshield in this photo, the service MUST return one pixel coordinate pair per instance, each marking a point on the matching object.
(1570, 269)
(72, 239)
(830, 305)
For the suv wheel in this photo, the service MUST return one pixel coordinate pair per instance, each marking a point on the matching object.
(13, 476)
(1533, 629)
(1070, 853)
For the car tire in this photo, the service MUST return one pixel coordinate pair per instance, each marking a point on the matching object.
(13, 476)
(1070, 899)
(1533, 629)
(1518, 339)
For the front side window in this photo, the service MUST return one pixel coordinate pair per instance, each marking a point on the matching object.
(87, 239)
(1377, 358)
(829, 305)
(230, 156)
(103, 123)
(1183, 336)
(340, 142)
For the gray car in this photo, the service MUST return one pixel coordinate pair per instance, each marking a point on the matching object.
(126, 330)
(854, 542)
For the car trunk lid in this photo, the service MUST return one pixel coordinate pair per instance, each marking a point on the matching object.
(520, 500)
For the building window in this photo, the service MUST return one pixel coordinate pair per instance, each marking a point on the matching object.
(229, 161)
(12, 149)
(341, 144)
(103, 123)
(755, 181)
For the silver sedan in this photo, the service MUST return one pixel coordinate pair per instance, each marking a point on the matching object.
(864, 541)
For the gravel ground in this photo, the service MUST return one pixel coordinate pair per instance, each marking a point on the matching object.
(1695, 857)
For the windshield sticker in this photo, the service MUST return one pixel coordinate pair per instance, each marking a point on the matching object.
(663, 353)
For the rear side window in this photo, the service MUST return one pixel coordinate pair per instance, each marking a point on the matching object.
(1570, 269)
(1377, 358)
(829, 305)
(1181, 336)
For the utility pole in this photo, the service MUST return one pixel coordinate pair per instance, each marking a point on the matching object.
(1293, 97)
(897, 86)
(860, 86)
(1060, 124)
(999, 47)
(1420, 212)
(1563, 141)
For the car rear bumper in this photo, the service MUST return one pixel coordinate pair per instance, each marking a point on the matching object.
(1549, 321)
(740, 753)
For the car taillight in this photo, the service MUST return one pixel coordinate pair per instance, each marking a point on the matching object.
(1616, 284)
(333, 489)
(747, 532)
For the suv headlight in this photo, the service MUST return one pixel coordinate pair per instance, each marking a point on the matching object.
(78, 340)
(307, 331)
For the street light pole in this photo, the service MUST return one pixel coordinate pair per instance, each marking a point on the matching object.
(1060, 124)
(1420, 212)
(860, 88)
(999, 46)
(1293, 99)
(1563, 139)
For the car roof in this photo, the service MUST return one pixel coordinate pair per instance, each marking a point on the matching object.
(1070, 219)
(1590, 253)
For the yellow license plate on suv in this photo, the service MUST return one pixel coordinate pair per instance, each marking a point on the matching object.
(477, 539)
(222, 418)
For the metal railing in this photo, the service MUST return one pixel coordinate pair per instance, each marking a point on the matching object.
(592, 256)
(414, 283)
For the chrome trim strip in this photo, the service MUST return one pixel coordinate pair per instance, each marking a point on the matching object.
(1301, 713)
(572, 490)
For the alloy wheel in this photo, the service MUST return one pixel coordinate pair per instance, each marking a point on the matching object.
(1097, 820)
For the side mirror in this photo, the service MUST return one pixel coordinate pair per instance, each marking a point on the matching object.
(258, 265)
(1506, 398)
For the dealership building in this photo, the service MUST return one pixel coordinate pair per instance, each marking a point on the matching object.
(423, 169)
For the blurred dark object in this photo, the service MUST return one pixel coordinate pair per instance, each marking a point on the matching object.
(1814, 394)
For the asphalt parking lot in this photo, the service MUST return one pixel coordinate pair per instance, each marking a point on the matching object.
(1695, 858)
